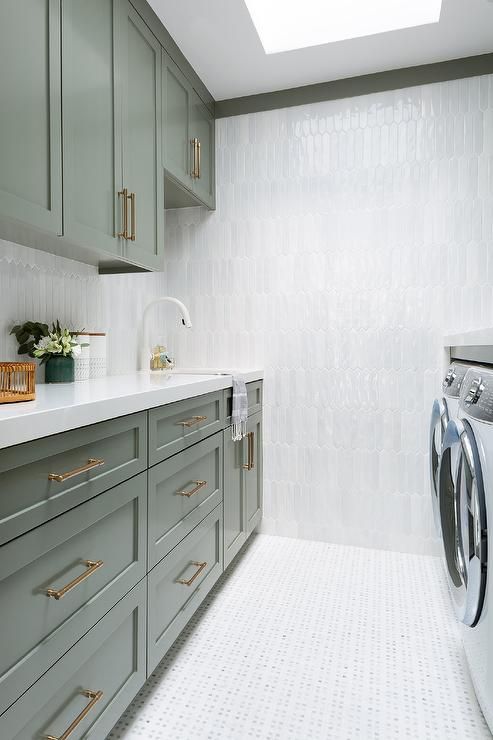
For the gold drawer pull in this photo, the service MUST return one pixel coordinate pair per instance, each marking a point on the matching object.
(198, 485)
(91, 565)
(251, 452)
(195, 172)
(200, 567)
(124, 194)
(94, 696)
(93, 462)
(198, 158)
(192, 421)
(132, 235)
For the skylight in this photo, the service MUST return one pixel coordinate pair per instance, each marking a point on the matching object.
(294, 24)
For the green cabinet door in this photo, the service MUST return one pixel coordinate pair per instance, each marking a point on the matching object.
(202, 129)
(30, 136)
(177, 93)
(253, 477)
(234, 506)
(143, 174)
(91, 110)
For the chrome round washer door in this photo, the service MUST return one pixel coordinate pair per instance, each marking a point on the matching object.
(438, 425)
(463, 520)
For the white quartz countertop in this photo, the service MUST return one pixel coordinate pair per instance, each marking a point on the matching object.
(64, 406)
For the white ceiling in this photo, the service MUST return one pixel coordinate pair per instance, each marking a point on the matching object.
(220, 42)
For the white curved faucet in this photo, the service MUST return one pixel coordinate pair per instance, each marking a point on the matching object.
(144, 351)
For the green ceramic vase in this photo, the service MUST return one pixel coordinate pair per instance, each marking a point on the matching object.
(59, 370)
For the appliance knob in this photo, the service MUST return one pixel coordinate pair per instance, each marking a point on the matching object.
(449, 378)
(474, 392)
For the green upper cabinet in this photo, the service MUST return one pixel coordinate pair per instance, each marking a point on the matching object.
(92, 146)
(176, 118)
(188, 142)
(30, 140)
(203, 151)
(143, 175)
(95, 121)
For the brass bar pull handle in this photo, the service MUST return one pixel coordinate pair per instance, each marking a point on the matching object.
(194, 165)
(198, 485)
(132, 235)
(124, 194)
(200, 567)
(198, 159)
(93, 462)
(250, 464)
(191, 422)
(91, 565)
(94, 696)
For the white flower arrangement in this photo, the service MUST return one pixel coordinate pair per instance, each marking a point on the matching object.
(36, 340)
(59, 342)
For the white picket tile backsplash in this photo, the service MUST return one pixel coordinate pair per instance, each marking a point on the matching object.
(38, 286)
(349, 236)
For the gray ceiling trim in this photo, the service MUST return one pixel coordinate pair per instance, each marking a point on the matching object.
(352, 86)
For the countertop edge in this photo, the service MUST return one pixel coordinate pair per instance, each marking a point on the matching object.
(35, 421)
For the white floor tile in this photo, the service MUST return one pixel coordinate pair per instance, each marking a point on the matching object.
(309, 641)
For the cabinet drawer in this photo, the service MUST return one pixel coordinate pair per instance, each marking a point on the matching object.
(254, 394)
(197, 561)
(37, 628)
(29, 497)
(182, 491)
(109, 659)
(176, 426)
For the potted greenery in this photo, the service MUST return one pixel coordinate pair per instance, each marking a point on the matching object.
(56, 348)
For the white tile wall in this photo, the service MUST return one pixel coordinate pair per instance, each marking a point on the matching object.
(35, 285)
(349, 237)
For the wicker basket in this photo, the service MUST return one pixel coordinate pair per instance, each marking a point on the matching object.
(17, 381)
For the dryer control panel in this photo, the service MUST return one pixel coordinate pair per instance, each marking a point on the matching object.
(476, 397)
(452, 383)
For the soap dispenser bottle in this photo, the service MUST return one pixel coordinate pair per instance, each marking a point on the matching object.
(160, 360)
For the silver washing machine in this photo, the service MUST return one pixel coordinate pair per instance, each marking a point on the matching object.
(444, 409)
(466, 506)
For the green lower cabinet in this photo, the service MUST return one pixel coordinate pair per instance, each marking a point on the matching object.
(182, 491)
(59, 579)
(253, 477)
(234, 506)
(92, 684)
(243, 486)
(30, 126)
(176, 426)
(180, 582)
(37, 478)
(93, 597)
